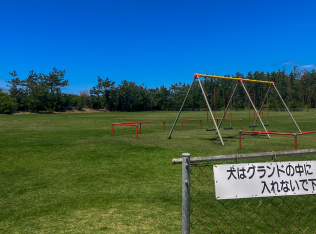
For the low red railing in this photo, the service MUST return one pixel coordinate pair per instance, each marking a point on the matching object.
(276, 133)
(185, 120)
(124, 124)
(135, 124)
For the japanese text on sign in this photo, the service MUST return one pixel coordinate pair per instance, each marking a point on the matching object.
(264, 179)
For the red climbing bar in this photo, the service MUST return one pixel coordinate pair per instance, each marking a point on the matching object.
(275, 133)
(192, 119)
(152, 121)
(210, 119)
(221, 118)
(130, 123)
(125, 124)
(140, 124)
(302, 133)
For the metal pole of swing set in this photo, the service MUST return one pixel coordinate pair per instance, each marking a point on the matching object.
(175, 122)
(206, 106)
(253, 127)
(253, 106)
(231, 98)
(287, 108)
(196, 76)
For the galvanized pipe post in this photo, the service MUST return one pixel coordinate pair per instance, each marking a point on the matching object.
(185, 99)
(185, 193)
(287, 108)
(261, 108)
(254, 108)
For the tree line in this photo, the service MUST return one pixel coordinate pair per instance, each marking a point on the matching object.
(43, 92)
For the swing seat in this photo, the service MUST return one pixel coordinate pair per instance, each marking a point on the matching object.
(266, 125)
(228, 128)
(213, 129)
(254, 126)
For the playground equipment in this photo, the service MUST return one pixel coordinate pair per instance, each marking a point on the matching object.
(186, 120)
(231, 110)
(125, 124)
(239, 82)
(135, 124)
(276, 133)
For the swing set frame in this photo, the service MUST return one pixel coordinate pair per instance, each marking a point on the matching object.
(240, 81)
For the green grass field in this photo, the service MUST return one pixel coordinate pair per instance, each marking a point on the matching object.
(66, 173)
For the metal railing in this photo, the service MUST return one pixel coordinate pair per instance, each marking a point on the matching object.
(202, 213)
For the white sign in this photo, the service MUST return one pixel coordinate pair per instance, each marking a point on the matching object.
(264, 179)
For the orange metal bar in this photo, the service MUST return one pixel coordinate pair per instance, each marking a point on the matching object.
(236, 79)
(125, 124)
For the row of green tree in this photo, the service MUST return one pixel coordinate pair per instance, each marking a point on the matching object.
(40, 92)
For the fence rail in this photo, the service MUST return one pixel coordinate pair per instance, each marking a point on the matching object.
(202, 213)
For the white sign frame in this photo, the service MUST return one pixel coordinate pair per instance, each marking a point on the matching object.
(250, 180)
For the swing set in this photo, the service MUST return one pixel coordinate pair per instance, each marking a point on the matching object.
(217, 119)
(240, 81)
(231, 111)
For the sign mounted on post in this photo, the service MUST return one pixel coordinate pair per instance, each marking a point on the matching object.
(264, 179)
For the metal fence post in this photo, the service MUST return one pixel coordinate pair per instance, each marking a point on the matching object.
(185, 193)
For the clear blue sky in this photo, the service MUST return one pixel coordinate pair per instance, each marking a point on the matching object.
(154, 42)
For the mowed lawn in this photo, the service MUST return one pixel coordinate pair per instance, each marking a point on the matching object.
(66, 173)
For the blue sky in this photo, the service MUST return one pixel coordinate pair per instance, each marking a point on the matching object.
(154, 42)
